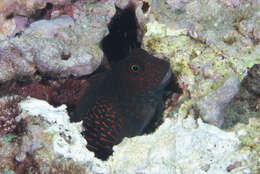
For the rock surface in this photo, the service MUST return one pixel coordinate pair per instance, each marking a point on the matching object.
(20, 8)
(212, 105)
(59, 47)
(50, 143)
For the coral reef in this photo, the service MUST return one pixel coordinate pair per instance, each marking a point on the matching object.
(56, 92)
(47, 144)
(58, 47)
(208, 44)
(213, 24)
(8, 9)
(182, 146)
(203, 43)
(45, 141)
(51, 144)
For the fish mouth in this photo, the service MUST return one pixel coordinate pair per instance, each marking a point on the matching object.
(166, 78)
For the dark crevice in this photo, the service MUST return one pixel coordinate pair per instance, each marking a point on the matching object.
(40, 13)
(10, 16)
(65, 56)
(122, 37)
(49, 6)
(173, 86)
(145, 7)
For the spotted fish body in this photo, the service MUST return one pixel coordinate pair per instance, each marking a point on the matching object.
(125, 102)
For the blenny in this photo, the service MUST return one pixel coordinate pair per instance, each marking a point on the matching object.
(125, 102)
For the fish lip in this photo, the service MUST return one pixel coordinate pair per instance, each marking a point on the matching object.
(167, 77)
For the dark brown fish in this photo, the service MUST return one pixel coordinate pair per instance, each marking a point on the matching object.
(125, 102)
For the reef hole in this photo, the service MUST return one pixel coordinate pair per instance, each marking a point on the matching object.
(145, 7)
(41, 13)
(10, 16)
(171, 94)
(122, 37)
(65, 56)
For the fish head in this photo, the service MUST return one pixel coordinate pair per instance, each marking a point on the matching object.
(141, 74)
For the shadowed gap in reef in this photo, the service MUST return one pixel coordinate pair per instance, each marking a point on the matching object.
(122, 37)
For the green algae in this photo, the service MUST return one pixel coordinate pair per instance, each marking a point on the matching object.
(190, 59)
(250, 141)
(185, 108)
(202, 68)
(252, 137)
(186, 57)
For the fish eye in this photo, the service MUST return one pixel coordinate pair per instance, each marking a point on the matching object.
(134, 68)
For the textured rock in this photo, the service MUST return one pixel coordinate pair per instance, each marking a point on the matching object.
(67, 140)
(251, 27)
(13, 65)
(25, 8)
(206, 42)
(202, 36)
(203, 42)
(179, 147)
(49, 143)
(182, 146)
(212, 105)
(58, 47)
